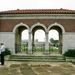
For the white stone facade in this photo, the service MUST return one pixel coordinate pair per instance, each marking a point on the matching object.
(68, 41)
(8, 38)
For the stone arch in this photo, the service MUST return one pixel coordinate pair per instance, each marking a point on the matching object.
(17, 33)
(57, 24)
(33, 30)
(20, 24)
(60, 30)
(38, 24)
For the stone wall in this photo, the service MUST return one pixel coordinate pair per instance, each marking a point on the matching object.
(68, 41)
(8, 38)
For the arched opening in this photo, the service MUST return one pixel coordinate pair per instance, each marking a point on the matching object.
(24, 40)
(53, 34)
(38, 39)
(39, 35)
(55, 40)
(25, 35)
(20, 45)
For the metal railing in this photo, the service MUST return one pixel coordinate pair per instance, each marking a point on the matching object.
(21, 48)
(38, 48)
(53, 48)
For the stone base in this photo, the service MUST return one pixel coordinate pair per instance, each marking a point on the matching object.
(70, 59)
(46, 52)
(30, 52)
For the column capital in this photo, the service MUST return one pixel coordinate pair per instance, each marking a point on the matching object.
(46, 32)
(30, 32)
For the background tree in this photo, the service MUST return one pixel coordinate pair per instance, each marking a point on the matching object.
(52, 40)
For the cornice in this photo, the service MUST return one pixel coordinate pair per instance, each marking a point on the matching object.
(37, 16)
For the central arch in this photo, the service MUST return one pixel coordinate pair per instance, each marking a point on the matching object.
(34, 28)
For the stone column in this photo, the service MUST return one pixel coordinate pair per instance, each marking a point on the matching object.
(46, 43)
(30, 44)
(33, 42)
(17, 41)
(60, 43)
(33, 38)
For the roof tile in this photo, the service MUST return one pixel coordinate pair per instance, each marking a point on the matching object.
(39, 11)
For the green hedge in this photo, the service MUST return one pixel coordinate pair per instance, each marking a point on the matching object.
(7, 51)
(70, 53)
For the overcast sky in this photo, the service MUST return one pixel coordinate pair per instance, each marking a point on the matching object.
(36, 4)
(40, 35)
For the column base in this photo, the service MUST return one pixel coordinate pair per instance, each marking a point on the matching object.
(30, 52)
(46, 52)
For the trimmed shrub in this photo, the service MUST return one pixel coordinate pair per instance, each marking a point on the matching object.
(70, 53)
(7, 51)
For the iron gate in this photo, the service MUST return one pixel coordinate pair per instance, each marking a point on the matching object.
(21, 48)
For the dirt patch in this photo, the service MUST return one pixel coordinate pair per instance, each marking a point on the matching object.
(4, 70)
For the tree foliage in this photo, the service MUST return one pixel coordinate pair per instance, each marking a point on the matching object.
(52, 40)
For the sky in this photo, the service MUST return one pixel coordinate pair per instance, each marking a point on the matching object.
(37, 4)
(52, 34)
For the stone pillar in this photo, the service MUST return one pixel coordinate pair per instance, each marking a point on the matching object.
(17, 41)
(33, 42)
(33, 38)
(30, 44)
(46, 43)
(60, 43)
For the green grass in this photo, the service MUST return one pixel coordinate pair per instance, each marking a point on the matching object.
(54, 49)
(39, 49)
(24, 48)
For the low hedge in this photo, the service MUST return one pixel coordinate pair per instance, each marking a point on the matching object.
(70, 53)
(7, 51)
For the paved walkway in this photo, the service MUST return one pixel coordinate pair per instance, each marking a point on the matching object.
(37, 68)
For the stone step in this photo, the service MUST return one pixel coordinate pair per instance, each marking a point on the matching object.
(36, 58)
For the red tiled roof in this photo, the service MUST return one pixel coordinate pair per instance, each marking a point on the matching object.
(39, 11)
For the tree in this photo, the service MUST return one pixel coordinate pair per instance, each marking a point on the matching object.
(52, 40)
(55, 41)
